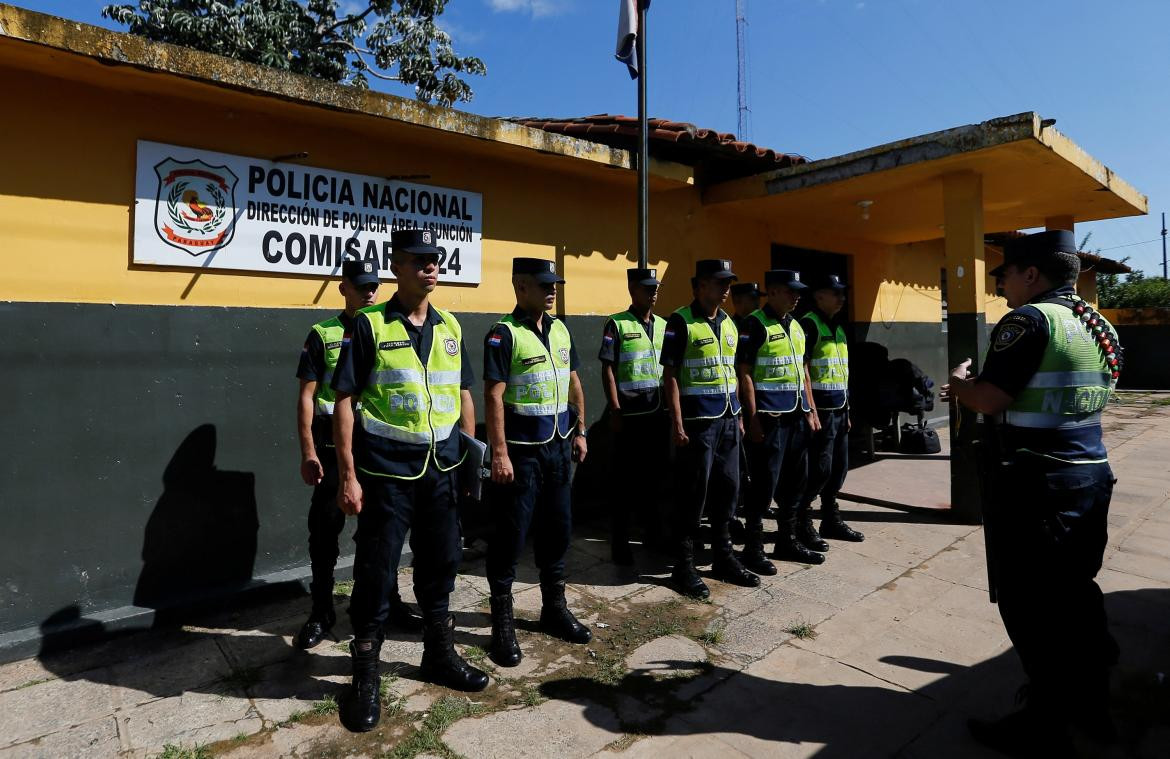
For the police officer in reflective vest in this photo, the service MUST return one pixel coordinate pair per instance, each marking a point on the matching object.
(775, 391)
(359, 287)
(535, 413)
(745, 301)
(407, 364)
(1046, 378)
(631, 378)
(827, 357)
(698, 356)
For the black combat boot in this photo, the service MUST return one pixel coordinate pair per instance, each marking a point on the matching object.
(789, 548)
(685, 578)
(833, 526)
(363, 707)
(728, 569)
(806, 533)
(321, 619)
(753, 557)
(402, 617)
(555, 617)
(505, 651)
(441, 665)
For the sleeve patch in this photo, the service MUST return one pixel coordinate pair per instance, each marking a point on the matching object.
(1007, 336)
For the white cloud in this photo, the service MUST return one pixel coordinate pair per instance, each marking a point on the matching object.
(536, 8)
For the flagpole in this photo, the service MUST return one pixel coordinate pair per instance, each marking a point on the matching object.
(643, 145)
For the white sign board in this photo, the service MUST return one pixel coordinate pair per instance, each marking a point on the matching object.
(198, 208)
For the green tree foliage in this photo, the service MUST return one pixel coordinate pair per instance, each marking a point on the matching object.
(1137, 291)
(399, 37)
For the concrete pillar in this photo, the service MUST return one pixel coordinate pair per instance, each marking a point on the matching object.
(966, 327)
(1063, 221)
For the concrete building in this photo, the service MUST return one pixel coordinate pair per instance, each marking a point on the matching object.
(151, 456)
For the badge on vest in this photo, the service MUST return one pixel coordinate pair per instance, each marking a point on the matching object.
(730, 340)
(532, 361)
(451, 345)
(777, 336)
(564, 354)
(703, 341)
(389, 345)
(334, 344)
(631, 336)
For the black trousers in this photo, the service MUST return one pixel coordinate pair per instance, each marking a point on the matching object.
(779, 470)
(706, 475)
(326, 521)
(638, 460)
(537, 499)
(1046, 538)
(427, 508)
(828, 460)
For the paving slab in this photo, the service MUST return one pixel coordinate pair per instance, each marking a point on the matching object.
(564, 729)
(89, 740)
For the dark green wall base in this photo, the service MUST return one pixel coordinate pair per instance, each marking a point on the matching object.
(1146, 367)
(151, 459)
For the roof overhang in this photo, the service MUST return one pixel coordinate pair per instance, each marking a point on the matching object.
(1030, 171)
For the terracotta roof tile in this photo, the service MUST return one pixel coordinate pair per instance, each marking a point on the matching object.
(719, 155)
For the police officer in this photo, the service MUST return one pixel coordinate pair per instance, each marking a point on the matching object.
(631, 378)
(774, 390)
(359, 288)
(535, 413)
(698, 356)
(745, 301)
(407, 364)
(1045, 380)
(827, 358)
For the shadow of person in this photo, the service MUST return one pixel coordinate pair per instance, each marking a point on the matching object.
(205, 635)
(200, 540)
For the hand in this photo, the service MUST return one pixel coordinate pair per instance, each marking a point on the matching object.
(739, 424)
(848, 423)
(755, 432)
(680, 437)
(960, 373)
(814, 421)
(580, 448)
(502, 468)
(349, 496)
(615, 422)
(311, 471)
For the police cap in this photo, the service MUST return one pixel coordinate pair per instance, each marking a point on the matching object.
(827, 282)
(790, 278)
(360, 272)
(542, 270)
(746, 288)
(644, 277)
(716, 268)
(1032, 249)
(419, 242)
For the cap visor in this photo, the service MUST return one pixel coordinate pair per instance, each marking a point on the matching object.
(997, 271)
(547, 278)
(420, 250)
(648, 282)
(796, 285)
(365, 279)
(723, 275)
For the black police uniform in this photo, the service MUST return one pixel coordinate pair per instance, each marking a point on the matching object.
(425, 506)
(326, 521)
(635, 487)
(735, 526)
(779, 463)
(1047, 537)
(828, 460)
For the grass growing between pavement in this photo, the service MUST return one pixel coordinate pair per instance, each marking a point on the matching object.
(802, 630)
(171, 751)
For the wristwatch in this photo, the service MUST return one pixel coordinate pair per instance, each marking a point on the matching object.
(581, 432)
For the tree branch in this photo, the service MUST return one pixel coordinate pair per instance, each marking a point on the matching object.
(350, 19)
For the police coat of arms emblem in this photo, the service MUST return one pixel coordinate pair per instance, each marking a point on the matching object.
(195, 207)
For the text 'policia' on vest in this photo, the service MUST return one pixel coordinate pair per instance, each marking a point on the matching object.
(405, 402)
(779, 368)
(706, 382)
(828, 365)
(639, 374)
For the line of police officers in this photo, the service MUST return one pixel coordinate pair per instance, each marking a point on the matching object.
(385, 394)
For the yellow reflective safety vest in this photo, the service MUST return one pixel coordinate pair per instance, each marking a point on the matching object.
(828, 366)
(536, 398)
(706, 379)
(332, 334)
(403, 401)
(778, 373)
(638, 372)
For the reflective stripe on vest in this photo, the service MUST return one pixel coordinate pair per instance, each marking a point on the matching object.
(829, 366)
(403, 401)
(779, 366)
(1072, 384)
(638, 372)
(536, 397)
(706, 379)
(332, 333)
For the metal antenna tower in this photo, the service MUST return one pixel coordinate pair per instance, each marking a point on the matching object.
(741, 73)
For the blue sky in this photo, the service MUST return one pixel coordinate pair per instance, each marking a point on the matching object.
(830, 76)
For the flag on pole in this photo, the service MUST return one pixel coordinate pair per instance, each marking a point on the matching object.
(627, 34)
